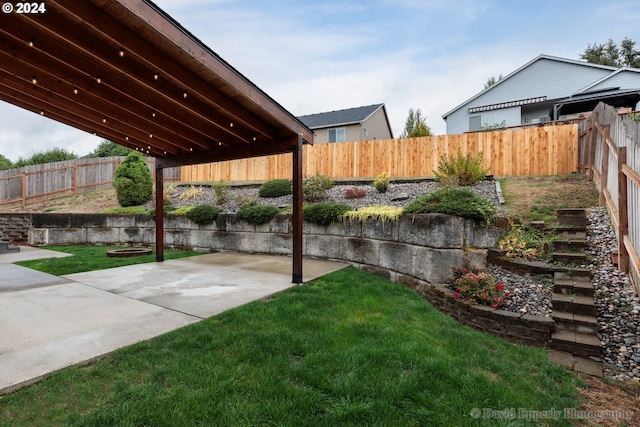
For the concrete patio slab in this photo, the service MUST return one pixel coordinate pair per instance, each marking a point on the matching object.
(28, 253)
(48, 328)
(204, 285)
(50, 322)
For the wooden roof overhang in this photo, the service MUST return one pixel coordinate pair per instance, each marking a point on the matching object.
(126, 71)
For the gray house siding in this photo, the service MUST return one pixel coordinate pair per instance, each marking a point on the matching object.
(553, 78)
(376, 126)
(624, 79)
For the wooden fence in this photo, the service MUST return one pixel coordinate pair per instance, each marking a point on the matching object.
(543, 150)
(610, 154)
(22, 185)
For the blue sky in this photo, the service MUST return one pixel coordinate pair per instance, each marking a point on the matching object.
(315, 56)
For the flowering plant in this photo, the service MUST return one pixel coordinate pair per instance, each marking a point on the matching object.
(473, 284)
(314, 188)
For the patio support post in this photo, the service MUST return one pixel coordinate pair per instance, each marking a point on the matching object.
(159, 213)
(296, 218)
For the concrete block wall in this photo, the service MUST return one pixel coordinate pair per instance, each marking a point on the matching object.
(418, 251)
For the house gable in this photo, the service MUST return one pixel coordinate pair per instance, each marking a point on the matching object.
(532, 89)
(359, 123)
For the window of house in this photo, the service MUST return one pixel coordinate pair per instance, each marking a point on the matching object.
(364, 131)
(480, 120)
(337, 135)
(475, 123)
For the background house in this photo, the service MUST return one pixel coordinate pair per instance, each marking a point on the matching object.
(353, 124)
(546, 88)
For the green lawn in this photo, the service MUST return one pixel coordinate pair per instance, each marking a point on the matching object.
(90, 258)
(349, 349)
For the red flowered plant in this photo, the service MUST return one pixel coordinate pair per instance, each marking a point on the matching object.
(355, 193)
(476, 286)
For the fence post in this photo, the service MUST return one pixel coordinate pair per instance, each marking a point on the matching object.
(623, 212)
(592, 144)
(24, 189)
(75, 179)
(604, 173)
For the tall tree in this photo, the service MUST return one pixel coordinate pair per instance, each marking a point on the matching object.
(416, 125)
(491, 81)
(611, 54)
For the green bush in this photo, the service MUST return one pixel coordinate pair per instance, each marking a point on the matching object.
(324, 213)
(221, 190)
(314, 188)
(258, 214)
(382, 182)
(275, 188)
(203, 214)
(467, 169)
(454, 201)
(49, 156)
(133, 182)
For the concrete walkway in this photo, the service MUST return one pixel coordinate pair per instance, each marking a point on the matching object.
(51, 322)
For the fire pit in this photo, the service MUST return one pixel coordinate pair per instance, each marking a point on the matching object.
(125, 253)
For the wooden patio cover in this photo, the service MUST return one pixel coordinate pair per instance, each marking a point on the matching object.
(126, 71)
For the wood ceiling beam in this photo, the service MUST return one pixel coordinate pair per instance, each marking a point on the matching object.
(229, 153)
(95, 20)
(35, 105)
(199, 53)
(127, 78)
(88, 102)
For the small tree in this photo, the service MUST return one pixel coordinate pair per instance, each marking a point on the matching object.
(109, 149)
(5, 163)
(416, 125)
(133, 182)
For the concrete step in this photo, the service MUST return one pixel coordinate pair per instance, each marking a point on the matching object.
(573, 217)
(578, 344)
(576, 273)
(570, 245)
(569, 257)
(575, 322)
(5, 248)
(575, 304)
(573, 286)
(570, 232)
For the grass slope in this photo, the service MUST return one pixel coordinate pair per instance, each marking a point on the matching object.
(347, 349)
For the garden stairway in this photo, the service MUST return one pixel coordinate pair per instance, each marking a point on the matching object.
(574, 311)
(5, 248)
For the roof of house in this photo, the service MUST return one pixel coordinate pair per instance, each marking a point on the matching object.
(345, 117)
(538, 58)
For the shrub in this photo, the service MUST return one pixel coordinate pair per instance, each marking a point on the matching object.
(384, 213)
(476, 286)
(324, 213)
(221, 190)
(454, 201)
(355, 193)
(203, 214)
(245, 202)
(314, 188)
(467, 169)
(191, 193)
(381, 182)
(522, 241)
(275, 188)
(258, 214)
(133, 182)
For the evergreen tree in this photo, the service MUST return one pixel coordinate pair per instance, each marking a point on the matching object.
(133, 182)
(613, 55)
(416, 125)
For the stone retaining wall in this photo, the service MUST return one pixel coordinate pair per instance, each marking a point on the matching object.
(417, 251)
(15, 227)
